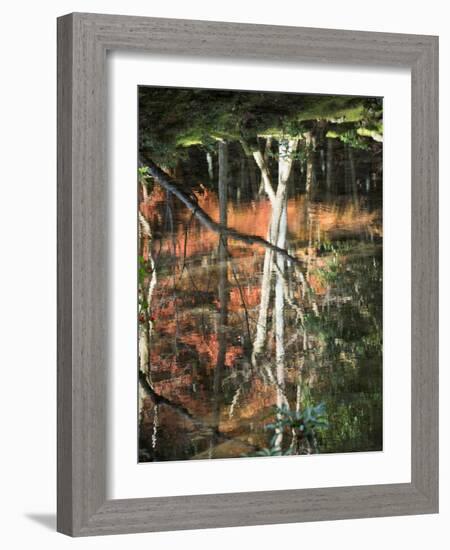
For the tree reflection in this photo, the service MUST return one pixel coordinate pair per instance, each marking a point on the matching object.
(260, 275)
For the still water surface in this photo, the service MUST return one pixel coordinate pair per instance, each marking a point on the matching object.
(217, 400)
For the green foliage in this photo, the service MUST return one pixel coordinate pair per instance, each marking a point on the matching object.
(304, 421)
(304, 424)
(272, 451)
(145, 178)
(144, 271)
(359, 132)
(348, 370)
(350, 136)
(172, 119)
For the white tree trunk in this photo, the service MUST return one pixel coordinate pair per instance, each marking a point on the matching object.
(145, 329)
(310, 176)
(209, 162)
(284, 170)
(286, 150)
(279, 320)
(261, 162)
(261, 327)
(329, 168)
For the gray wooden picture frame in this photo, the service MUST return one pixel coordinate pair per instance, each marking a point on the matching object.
(83, 41)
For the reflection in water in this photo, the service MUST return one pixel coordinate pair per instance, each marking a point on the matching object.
(228, 373)
(260, 273)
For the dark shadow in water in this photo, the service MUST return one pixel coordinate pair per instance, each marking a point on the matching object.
(46, 520)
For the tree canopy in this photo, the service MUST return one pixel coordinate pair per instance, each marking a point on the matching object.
(172, 119)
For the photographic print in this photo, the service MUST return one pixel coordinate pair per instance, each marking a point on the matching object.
(259, 258)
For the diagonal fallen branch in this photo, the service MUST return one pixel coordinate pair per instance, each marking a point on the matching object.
(170, 185)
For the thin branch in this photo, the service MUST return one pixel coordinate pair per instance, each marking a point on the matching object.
(190, 202)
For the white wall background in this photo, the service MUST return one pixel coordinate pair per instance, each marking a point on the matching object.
(28, 268)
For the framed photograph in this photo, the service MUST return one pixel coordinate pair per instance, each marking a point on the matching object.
(247, 274)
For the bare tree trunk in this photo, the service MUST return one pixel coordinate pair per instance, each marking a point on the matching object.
(310, 176)
(284, 170)
(329, 170)
(286, 149)
(265, 174)
(351, 162)
(244, 177)
(322, 161)
(346, 169)
(261, 327)
(279, 320)
(253, 177)
(209, 162)
(145, 291)
(222, 291)
(266, 161)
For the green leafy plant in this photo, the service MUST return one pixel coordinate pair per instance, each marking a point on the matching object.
(302, 424)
